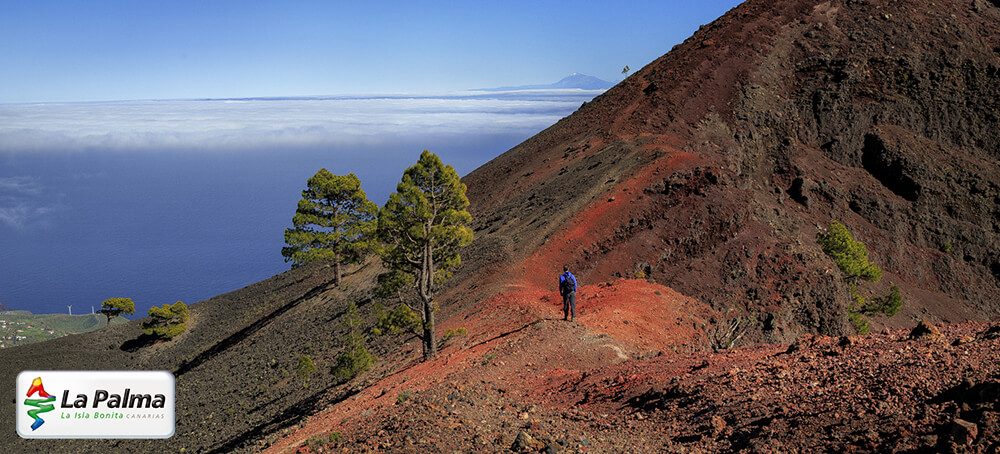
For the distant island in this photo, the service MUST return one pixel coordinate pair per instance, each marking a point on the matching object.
(572, 81)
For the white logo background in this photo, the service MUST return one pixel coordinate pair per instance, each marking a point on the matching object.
(69, 423)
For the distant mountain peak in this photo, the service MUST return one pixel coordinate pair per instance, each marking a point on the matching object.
(578, 81)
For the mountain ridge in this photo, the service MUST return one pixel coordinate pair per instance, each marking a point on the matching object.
(687, 199)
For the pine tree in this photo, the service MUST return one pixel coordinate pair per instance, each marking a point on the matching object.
(114, 307)
(423, 227)
(334, 221)
(167, 321)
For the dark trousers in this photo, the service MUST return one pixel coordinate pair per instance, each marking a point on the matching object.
(569, 305)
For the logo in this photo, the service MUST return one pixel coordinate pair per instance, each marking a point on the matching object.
(41, 405)
(95, 404)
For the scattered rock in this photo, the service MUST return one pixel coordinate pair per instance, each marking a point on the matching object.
(718, 425)
(992, 333)
(925, 330)
(799, 191)
(962, 340)
(963, 432)
(524, 442)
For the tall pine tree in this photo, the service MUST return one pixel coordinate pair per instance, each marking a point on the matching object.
(334, 222)
(423, 227)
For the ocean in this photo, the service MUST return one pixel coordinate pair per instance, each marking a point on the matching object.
(182, 200)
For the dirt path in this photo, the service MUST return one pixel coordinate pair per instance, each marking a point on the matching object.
(616, 322)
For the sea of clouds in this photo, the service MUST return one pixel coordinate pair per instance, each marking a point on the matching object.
(255, 124)
(163, 200)
(275, 123)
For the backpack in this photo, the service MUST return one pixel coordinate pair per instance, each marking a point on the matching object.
(567, 285)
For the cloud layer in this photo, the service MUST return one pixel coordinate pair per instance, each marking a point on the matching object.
(21, 202)
(276, 123)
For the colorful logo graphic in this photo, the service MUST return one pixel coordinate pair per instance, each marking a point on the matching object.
(41, 405)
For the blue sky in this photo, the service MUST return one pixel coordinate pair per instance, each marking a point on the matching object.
(119, 50)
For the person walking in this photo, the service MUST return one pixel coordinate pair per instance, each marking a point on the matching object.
(567, 288)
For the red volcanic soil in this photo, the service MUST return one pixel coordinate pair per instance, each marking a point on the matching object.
(688, 199)
(518, 342)
(821, 393)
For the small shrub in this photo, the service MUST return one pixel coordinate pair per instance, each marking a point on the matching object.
(859, 321)
(315, 442)
(858, 302)
(167, 321)
(725, 334)
(401, 319)
(850, 255)
(947, 247)
(889, 304)
(352, 362)
(488, 358)
(403, 396)
(355, 359)
(318, 442)
(304, 369)
(642, 271)
(454, 333)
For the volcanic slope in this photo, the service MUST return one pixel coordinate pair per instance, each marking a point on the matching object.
(704, 178)
(713, 169)
(707, 175)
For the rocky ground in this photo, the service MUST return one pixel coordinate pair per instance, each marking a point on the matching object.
(688, 199)
(891, 391)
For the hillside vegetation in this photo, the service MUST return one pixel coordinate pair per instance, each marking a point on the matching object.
(689, 200)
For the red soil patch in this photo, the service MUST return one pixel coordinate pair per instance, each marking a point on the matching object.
(618, 321)
(647, 316)
(600, 219)
(641, 315)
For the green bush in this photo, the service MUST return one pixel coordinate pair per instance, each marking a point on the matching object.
(355, 359)
(167, 321)
(403, 396)
(351, 362)
(453, 334)
(487, 359)
(850, 255)
(401, 319)
(859, 321)
(317, 442)
(304, 369)
(858, 302)
(889, 304)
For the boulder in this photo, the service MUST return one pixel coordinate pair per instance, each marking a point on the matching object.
(962, 432)
(524, 442)
(925, 330)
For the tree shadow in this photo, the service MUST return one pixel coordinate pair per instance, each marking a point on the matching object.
(292, 415)
(143, 341)
(235, 338)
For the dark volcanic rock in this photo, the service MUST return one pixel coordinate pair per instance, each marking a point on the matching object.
(880, 114)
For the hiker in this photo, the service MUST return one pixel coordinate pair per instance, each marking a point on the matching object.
(567, 288)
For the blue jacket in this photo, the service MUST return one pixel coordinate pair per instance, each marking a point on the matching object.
(567, 283)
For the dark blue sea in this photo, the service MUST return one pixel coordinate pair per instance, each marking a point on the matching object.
(183, 200)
